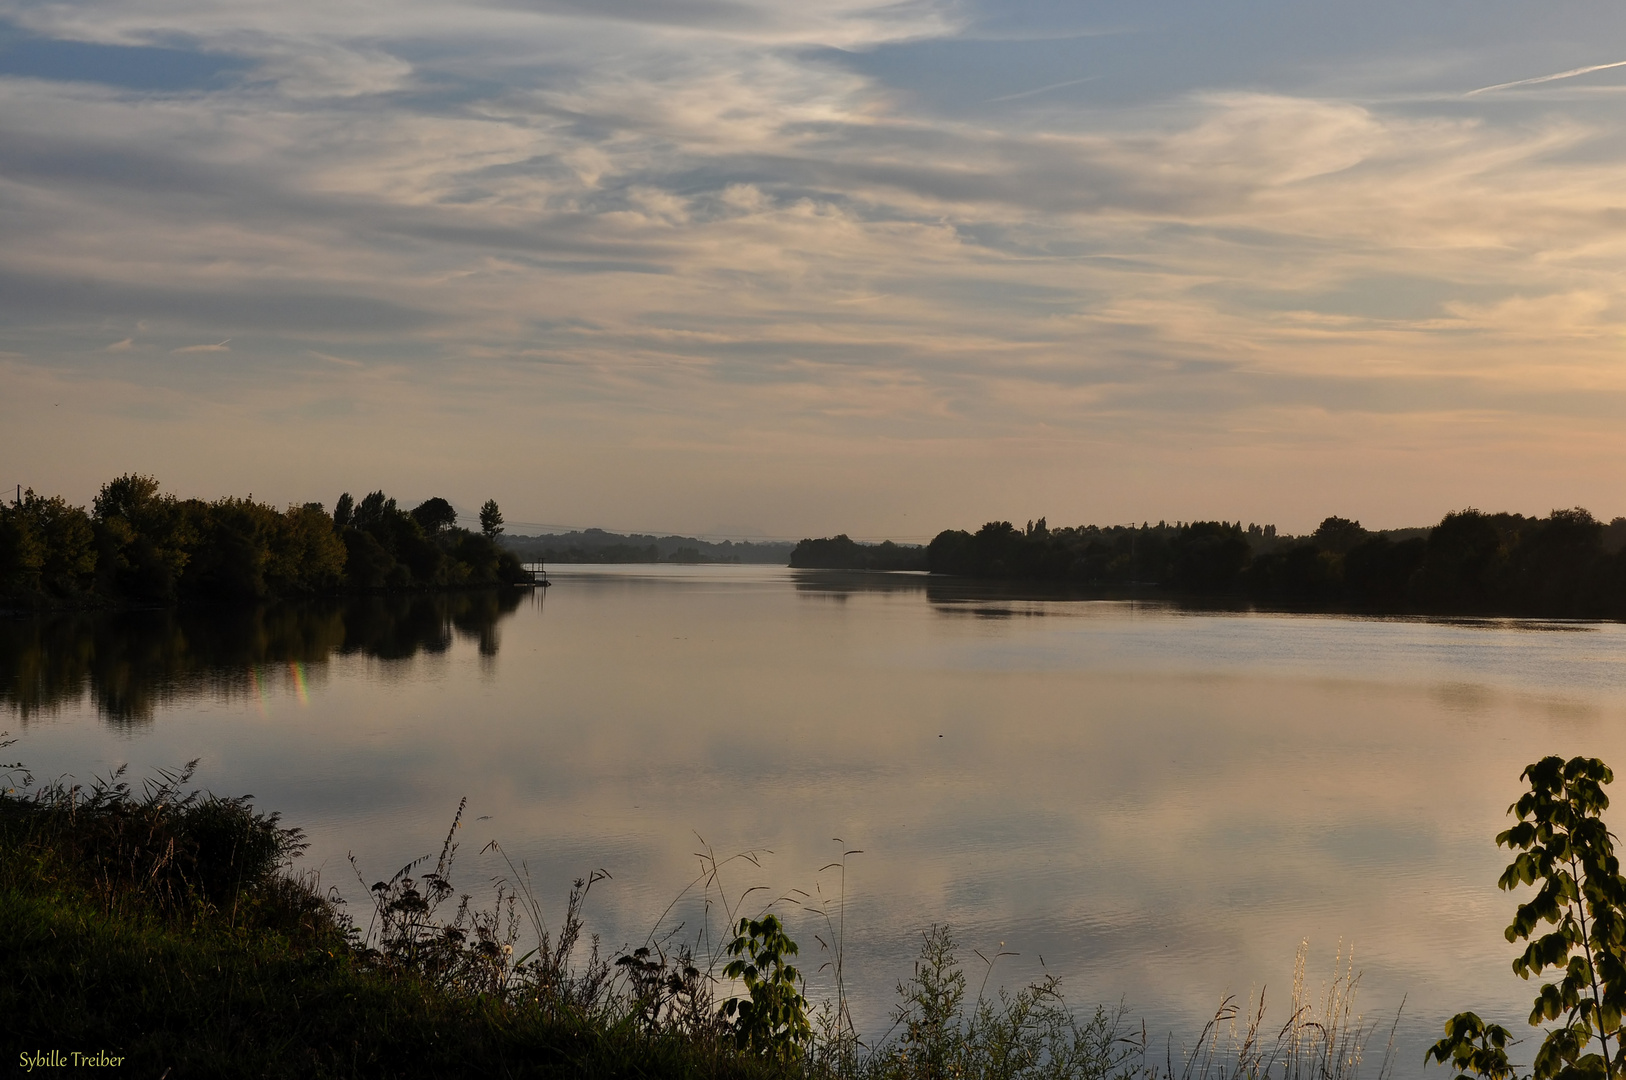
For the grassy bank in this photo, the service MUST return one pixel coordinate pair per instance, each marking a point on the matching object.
(166, 929)
(162, 928)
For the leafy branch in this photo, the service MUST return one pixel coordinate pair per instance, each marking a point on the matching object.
(1566, 851)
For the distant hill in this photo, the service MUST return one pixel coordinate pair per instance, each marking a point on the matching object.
(599, 546)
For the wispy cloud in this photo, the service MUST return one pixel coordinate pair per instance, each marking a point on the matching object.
(605, 235)
(341, 361)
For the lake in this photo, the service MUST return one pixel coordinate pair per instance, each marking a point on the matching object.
(1158, 804)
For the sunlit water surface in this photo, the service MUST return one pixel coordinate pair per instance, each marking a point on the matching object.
(1158, 805)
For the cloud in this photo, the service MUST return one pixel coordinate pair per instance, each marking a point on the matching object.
(339, 360)
(222, 346)
(121, 346)
(706, 222)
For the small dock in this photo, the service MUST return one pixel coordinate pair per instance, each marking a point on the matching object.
(539, 574)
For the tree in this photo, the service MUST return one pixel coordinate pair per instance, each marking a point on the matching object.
(1564, 849)
(306, 554)
(375, 511)
(1556, 566)
(22, 551)
(142, 537)
(434, 515)
(1467, 562)
(1209, 556)
(45, 544)
(132, 497)
(1338, 534)
(490, 519)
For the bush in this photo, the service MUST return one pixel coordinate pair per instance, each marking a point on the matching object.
(166, 850)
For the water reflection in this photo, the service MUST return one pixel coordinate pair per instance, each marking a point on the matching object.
(990, 597)
(1160, 803)
(132, 663)
(843, 584)
(993, 598)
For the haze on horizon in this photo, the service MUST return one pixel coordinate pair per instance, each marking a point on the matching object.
(713, 266)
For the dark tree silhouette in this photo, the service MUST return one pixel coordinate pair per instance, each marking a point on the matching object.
(343, 510)
(490, 519)
(434, 515)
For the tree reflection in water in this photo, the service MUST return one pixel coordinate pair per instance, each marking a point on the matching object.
(131, 662)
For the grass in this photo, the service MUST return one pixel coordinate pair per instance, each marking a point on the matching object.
(167, 928)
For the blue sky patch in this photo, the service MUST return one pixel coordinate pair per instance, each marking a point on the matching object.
(129, 67)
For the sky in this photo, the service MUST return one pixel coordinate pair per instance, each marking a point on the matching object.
(765, 268)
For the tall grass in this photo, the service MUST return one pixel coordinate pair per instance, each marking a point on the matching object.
(669, 988)
(164, 850)
(169, 926)
(1323, 1037)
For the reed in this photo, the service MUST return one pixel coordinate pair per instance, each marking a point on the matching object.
(1324, 1036)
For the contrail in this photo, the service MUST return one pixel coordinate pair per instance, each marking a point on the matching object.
(1042, 89)
(1548, 78)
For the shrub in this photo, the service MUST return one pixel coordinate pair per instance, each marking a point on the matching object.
(165, 850)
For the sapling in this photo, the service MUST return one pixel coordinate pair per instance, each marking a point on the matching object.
(773, 1021)
(1566, 851)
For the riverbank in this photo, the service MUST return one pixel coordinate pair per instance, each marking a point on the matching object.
(164, 933)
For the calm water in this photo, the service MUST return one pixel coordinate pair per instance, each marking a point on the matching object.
(1159, 804)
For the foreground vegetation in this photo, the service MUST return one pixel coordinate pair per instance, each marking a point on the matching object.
(1566, 565)
(1564, 849)
(164, 929)
(139, 545)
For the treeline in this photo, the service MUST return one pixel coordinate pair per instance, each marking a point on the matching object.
(844, 553)
(1565, 565)
(139, 545)
(599, 546)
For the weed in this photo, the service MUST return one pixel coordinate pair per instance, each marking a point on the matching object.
(1027, 1034)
